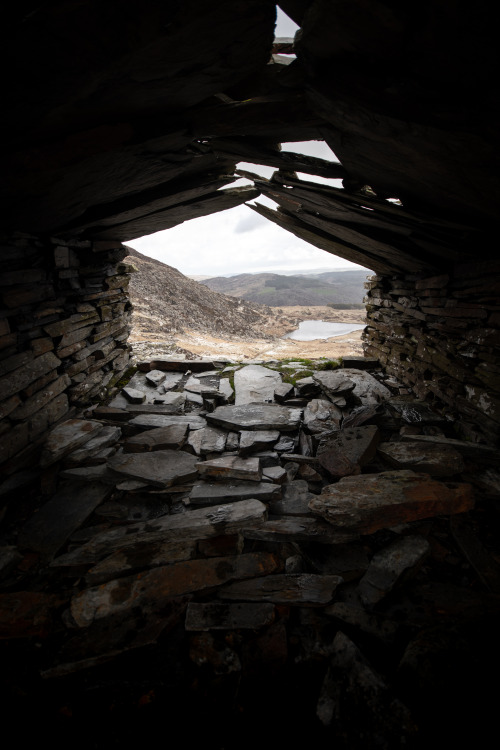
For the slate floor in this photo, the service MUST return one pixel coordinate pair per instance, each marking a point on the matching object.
(324, 562)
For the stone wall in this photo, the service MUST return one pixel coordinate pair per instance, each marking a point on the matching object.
(440, 335)
(64, 323)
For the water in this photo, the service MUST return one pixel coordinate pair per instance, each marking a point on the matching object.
(309, 330)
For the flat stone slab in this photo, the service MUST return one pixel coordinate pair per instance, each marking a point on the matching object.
(231, 467)
(150, 590)
(194, 524)
(298, 529)
(388, 566)
(288, 588)
(107, 437)
(222, 616)
(346, 451)
(145, 555)
(213, 440)
(283, 391)
(217, 492)
(370, 502)
(294, 501)
(334, 383)
(181, 365)
(49, 529)
(436, 460)
(256, 417)
(155, 378)
(255, 383)
(148, 421)
(252, 441)
(160, 438)
(158, 468)
(66, 437)
(415, 412)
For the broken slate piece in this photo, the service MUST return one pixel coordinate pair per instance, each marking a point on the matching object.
(256, 417)
(283, 391)
(155, 378)
(158, 439)
(226, 492)
(221, 616)
(195, 524)
(306, 387)
(257, 440)
(389, 566)
(133, 395)
(294, 502)
(212, 440)
(284, 589)
(345, 452)
(334, 383)
(436, 460)
(276, 474)
(369, 502)
(158, 468)
(150, 590)
(66, 437)
(367, 388)
(321, 415)
(231, 467)
(148, 421)
(146, 555)
(108, 436)
(255, 383)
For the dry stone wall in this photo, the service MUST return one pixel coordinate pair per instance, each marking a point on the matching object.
(440, 336)
(64, 324)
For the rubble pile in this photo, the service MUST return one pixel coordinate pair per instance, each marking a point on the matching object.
(217, 542)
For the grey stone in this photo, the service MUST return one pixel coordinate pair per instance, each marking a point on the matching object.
(283, 391)
(388, 567)
(366, 388)
(297, 529)
(257, 440)
(436, 460)
(307, 387)
(254, 383)
(66, 437)
(294, 501)
(157, 439)
(155, 378)
(256, 417)
(345, 452)
(226, 492)
(321, 415)
(212, 440)
(284, 589)
(148, 421)
(134, 395)
(158, 468)
(334, 383)
(370, 502)
(275, 474)
(108, 436)
(232, 467)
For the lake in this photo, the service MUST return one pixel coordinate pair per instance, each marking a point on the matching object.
(309, 330)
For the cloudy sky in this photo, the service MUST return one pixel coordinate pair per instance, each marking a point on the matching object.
(239, 240)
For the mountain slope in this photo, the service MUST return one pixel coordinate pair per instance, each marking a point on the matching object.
(275, 290)
(167, 302)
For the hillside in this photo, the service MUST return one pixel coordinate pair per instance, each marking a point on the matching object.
(165, 301)
(275, 290)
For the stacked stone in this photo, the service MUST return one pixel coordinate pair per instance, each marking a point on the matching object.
(64, 323)
(440, 335)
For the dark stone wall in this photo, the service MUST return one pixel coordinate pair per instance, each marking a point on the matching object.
(64, 323)
(440, 336)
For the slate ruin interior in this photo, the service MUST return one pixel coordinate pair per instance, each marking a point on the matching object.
(121, 120)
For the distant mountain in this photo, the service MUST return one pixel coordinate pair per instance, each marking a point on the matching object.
(277, 290)
(166, 302)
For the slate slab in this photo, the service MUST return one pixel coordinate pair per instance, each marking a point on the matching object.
(252, 441)
(369, 502)
(287, 588)
(49, 529)
(255, 383)
(194, 524)
(155, 378)
(134, 395)
(294, 501)
(435, 460)
(389, 565)
(158, 468)
(148, 421)
(297, 529)
(345, 452)
(218, 492)
(107, 437)
(150, 590)
(157, 439)
(334, 383)
(256, 417)
(66, 437)
(231, 467)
